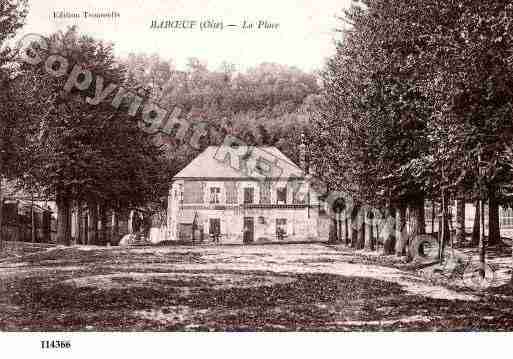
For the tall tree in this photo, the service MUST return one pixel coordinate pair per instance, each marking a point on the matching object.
(12, 17)
(420, 98)
(91, 154)
(376, 112)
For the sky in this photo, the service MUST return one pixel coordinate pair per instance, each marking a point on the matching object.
(304, 37)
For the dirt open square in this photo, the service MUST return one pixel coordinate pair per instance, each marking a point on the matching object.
(307, 287)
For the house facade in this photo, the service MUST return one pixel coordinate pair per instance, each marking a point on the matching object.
(231, 196)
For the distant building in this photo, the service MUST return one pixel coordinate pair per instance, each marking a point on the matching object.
(21, 211)
(505, 218)
(259, 195)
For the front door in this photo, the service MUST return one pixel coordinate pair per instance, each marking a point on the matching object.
(249, 230)
(215, 229)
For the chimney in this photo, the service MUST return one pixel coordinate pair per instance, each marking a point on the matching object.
(302, 155)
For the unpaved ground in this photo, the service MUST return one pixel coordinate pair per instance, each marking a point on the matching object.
(233, 288)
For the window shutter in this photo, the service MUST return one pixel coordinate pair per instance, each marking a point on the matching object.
(231, 192)
(265, 192)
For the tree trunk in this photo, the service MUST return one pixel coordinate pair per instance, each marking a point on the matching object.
(360, 221)
(32, 220)
(17, 221)
(47, 226)
(419, 216)
(377, 232)
(390, 239)
(103, 226)
(445, 233)
(354, 228)
(346, 229)
(84, 221)
(333, 229)
(511, 283)
(460, 221)
(401, 232)
(368, 230)
(477, 224)
(433, 215)
(63, 220)
(1, 214)
(74, 223)
(340, 228)
(130, 223)
(92, 221)
(79, 223)
(494, 232)
(482, 243)
(114, 229)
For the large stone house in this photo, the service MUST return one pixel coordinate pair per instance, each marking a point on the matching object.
(234, 196)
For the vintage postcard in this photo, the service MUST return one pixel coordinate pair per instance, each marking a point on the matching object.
(172, 166)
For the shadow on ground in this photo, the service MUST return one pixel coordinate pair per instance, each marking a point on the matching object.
(310, 302)
(95, 295)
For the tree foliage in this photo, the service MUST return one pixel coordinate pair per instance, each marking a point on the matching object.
(12, 17)
(416, 93)
(269, 104)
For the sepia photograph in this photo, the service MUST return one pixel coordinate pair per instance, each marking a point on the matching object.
(270, 167)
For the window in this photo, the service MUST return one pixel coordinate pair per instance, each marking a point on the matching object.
(263, 167)
(248, 195)
(281, 227)
(281, 195)
(214, 228)
(231, 192)
(193, 192)
(215, 193)
(185, 231)
(299, 193)
(265, 192)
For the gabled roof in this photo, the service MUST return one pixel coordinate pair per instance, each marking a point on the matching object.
(221, 162)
